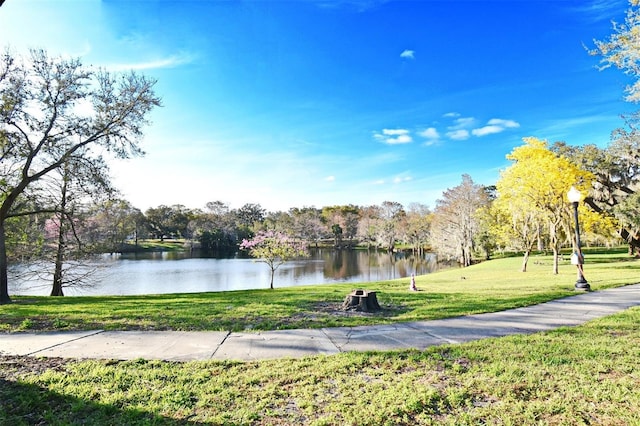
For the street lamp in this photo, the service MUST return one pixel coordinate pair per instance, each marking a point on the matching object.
(577, 258)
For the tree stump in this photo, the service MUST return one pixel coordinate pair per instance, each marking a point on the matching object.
(362, 301)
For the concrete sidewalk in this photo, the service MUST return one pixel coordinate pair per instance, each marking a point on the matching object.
(184, 346)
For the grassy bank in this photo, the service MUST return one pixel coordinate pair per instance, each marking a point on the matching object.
(571, 376)
(155, 245)
(488, 286)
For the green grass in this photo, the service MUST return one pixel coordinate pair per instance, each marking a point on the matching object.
(489, 286)
(571, 376)
(156, 245)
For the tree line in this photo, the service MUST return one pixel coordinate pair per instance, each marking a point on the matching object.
(526, 210)
(115, 225)
(61, 123)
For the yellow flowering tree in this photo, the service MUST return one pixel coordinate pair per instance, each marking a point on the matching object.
(533, 193)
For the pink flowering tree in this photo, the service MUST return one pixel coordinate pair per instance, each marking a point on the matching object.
(274, 248)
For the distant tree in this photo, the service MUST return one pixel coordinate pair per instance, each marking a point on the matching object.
(368, 225)
(308, 225)
(169, 221)
(334, 221)
(249, 214)
(484, 238)
(274, 248)
(336, 230)
(513, 227)
(53, 111)
(277, 221)
(346, 216)
(455, 221)
(159, 220)
(418, 226)
(351, 221)
(217, 208)
(112, 223)
(216, 240)
(215, 228)
(388, 230)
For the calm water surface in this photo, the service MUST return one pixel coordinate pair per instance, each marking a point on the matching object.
(178, 272)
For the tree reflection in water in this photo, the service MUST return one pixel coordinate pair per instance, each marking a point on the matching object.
(186, 272)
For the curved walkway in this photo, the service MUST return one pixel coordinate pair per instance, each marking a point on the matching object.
(196, 345)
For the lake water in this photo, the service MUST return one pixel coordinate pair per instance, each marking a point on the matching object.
(180, 272)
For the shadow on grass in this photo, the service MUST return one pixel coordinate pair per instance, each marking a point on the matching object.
(604, 250)
(27, 404)
(594, 259)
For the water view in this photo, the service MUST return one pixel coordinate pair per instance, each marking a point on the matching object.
(184, 272)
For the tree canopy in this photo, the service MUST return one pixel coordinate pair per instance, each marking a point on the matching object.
(54, 111)
(622, 49)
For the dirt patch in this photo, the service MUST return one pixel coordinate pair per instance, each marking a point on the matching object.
(336, 309)
(12, 366)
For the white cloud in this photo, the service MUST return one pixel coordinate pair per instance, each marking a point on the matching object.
(169, 62)
(430, 133)
(495, 125)
(394, 132)
(463, 122)
(394, 136)
(402, 139)
(451, 115)
(459, 130)
(503, 123)
(487, 130)
(408, 54)
(400, 179)
(330, 178)
(463, 127)
(458, 135)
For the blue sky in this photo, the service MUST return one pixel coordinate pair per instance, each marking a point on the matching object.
(319, 102)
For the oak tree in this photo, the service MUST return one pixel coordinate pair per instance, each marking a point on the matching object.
(622, 50)
(54, 111)
(616, 171)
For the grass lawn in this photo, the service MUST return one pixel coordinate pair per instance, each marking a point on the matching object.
(489, 286)
(587, 375)
(584, 375)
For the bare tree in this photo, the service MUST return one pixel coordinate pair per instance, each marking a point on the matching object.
(79, 182)
(418, 227)
(455, 222)
(391, 215)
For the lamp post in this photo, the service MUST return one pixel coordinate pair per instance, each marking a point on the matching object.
(577, 258)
